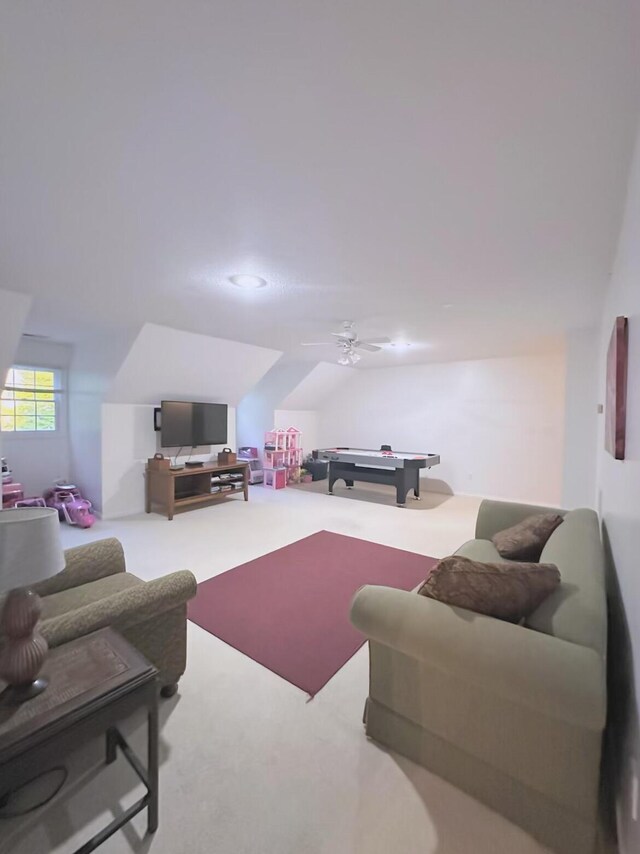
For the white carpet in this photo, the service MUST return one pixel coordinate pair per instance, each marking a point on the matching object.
(248, 765)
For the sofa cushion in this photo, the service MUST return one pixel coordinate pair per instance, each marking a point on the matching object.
(576, 611)
(85, 594)
(509, 591)
(526, 540)
(482, 550)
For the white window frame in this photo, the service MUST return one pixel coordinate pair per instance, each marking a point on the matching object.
(60, 381)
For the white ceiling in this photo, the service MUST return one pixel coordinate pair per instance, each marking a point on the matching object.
(372, 160)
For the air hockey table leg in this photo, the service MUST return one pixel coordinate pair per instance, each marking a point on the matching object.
(416, 488)
(402, 487)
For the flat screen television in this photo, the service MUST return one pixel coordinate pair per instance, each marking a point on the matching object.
(186, 425)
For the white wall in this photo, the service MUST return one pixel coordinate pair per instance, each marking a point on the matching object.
(581, 419)
(618, 486)
(96, 359)
(290, 393)
(256, 410)
(128, 440)
(305, 420)
(14, 308)
(497, 423)
(142, 366)
(39, 459)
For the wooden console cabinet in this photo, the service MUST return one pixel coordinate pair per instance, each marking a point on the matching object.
(171, 490)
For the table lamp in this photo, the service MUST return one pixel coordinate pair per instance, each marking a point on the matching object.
(30, 551)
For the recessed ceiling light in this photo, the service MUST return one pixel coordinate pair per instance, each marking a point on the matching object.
(242, 280)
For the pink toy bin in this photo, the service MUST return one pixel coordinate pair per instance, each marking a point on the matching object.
(275, 478)
(11, 494)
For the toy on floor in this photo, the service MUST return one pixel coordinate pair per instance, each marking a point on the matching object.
(250, 455)
(78, 512)
(276, 478)
(71, 506)
(31, 502)
(11, 492)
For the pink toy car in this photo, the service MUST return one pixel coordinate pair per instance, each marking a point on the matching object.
(78, 511)
(71, 506)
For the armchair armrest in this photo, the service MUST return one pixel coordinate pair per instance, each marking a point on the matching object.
(84, 564)
(124, 609)
(494, 516)
(553, 677)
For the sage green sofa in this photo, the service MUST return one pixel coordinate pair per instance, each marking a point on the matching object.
(513, 715)
(94, 590)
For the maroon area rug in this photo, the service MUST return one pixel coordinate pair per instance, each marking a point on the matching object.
(289, 610)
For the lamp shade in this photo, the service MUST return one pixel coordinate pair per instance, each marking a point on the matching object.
(30, 547)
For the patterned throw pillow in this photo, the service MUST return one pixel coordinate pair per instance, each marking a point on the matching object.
(526, 540)
(508, 591)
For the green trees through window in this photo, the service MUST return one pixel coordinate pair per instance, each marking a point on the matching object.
(28, 401)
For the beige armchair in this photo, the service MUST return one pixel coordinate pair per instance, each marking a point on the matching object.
(95, 590)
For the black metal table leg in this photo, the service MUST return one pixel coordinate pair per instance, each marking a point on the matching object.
(148, 777)
(152, 760)
(112, 743)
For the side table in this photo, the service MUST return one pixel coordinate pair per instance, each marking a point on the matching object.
(95, 682)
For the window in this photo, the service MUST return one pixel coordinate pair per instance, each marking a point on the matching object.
(29, 401)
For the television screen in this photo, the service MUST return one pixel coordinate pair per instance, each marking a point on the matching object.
(210, 423)
(190, 424)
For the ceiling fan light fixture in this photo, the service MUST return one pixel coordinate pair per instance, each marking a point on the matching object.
(349, 342)
(247, 282)
(349, 357)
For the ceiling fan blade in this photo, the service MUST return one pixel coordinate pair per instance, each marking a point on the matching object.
(317, 343)
(383, 340)
(344, 336)
(365, 345)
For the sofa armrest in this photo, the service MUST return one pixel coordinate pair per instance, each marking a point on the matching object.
(494, 516)
(85, 564)
(551, 676)
(124, 609)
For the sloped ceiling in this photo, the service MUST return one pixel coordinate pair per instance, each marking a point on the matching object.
(316, 387)
(169, 364)
(14, 308)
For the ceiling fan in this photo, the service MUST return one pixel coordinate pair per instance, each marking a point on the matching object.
(349, 342)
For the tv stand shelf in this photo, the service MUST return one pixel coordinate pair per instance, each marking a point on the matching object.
(170, 490)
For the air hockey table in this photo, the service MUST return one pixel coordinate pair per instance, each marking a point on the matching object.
(400, 469)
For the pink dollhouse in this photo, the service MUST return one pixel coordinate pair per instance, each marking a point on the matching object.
(283, 454)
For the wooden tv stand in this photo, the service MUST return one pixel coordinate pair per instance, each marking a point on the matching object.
(186, 488)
